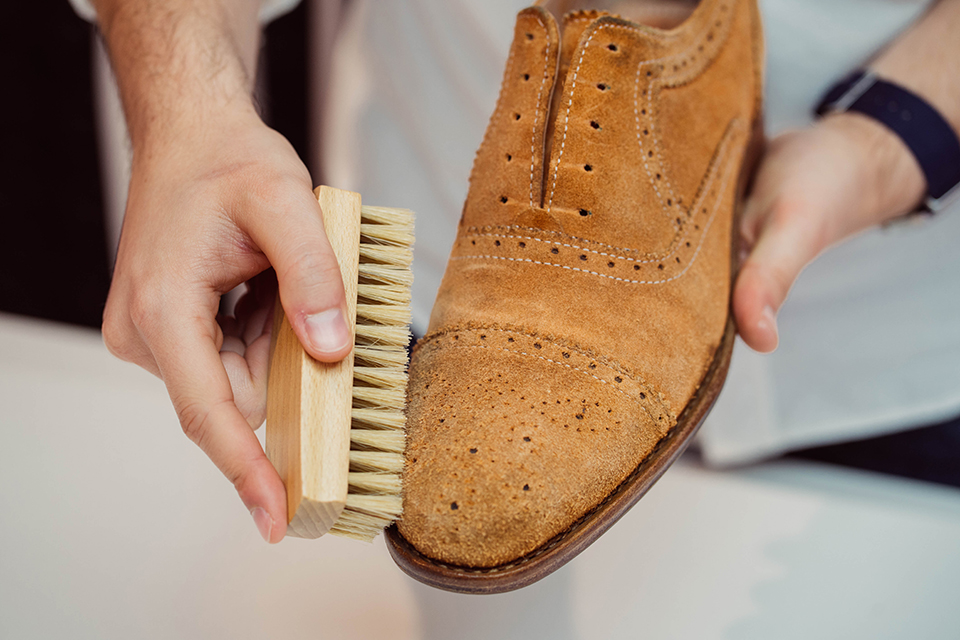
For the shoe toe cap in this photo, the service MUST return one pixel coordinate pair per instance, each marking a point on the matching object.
(513, 438)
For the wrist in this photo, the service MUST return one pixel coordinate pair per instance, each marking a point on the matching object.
(891, 182)
(181, 67)
(205, 137)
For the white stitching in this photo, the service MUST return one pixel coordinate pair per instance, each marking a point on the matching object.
(536, 114)
(716, 206)
(522, 228)
(721, 156)
(566, 118)
(573, 87)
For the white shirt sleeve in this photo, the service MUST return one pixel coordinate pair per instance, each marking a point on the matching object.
(269, 9)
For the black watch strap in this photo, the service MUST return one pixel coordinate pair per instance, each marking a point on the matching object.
(929, 137)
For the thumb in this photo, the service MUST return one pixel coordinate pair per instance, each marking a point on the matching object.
(788, 236)
(311, 285)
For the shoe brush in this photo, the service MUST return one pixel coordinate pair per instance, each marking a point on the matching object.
(335, 432)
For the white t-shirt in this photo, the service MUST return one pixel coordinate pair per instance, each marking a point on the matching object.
(269, 9)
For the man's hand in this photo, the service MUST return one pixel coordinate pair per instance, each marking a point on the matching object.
(814, 188)
(216, 199)
(844, 174)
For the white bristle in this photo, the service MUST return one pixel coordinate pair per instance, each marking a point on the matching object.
(384, 294)
(384, 314)
(365, 516)
(386, 255)
(385, 274)
(379, 397)
(379, 418)
(374, 483)
(374, 505)
(386, 215)
(383, 440)
(381, 376)
(380, 335)
(386, 234)
(377, 434)
(376, 356)
(376, 461)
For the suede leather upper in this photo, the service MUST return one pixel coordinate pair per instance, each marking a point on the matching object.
(588, 287)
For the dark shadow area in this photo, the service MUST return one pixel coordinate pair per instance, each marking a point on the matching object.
(54, 263)
(284, 64)
(929, 453)
(54, 260)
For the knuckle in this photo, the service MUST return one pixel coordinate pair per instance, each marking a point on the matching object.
(280, 191)
(117, 335)
(144, 306)
(195, 418)
(311, 270)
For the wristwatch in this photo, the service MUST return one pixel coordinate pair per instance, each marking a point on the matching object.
(930, 138)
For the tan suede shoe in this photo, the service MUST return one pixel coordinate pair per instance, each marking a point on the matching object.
(582, 330)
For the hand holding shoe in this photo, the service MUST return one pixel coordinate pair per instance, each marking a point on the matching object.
(842, 175)
(813, 188)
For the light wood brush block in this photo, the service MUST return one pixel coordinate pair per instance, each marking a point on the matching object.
(335, 432)
(309, 407)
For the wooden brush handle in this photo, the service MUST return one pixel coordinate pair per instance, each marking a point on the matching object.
(308, 402)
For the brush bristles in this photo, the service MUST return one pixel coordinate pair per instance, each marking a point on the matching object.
(380, 373)
(381, 335)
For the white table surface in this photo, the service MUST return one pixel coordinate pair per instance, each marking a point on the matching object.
(112, 525)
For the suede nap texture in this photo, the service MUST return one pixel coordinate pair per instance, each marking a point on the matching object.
(588, 287)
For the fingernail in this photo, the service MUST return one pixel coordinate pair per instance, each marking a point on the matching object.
(328, 331)
(768, 319)
(264, 522)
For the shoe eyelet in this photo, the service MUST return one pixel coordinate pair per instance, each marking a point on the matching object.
(584, 213)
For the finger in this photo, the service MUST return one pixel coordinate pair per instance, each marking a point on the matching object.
(230, 326)
(248, 378)
(289, 230)
(255, 310)
(789, 237)
(200, 389)
(233, 345)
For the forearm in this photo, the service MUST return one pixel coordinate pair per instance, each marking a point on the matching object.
(180, 63)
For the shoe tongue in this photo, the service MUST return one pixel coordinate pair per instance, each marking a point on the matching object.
(574, 24)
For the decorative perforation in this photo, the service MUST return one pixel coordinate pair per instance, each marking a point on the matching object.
(562, 354)
(628, 266)
(672, 70)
